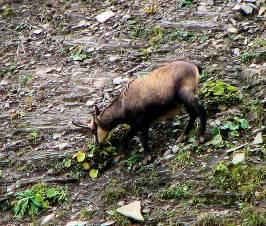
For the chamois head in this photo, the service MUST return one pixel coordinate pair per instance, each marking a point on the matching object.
(99, 133)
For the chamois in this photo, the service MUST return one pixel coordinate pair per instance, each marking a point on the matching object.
(157, 96)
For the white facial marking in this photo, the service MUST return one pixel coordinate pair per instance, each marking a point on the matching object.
(102, 135)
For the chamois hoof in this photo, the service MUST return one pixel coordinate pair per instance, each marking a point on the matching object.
(118, 158)
(200, 140)
(182, 138)
(146, 160)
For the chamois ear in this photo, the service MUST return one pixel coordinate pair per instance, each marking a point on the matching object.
(97, 111)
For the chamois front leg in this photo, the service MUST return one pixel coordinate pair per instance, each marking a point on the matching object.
(124, 147)
(144, 136)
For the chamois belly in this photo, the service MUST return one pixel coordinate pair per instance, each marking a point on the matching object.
(170, 114)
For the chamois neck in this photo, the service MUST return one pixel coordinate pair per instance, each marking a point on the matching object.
(112, 115)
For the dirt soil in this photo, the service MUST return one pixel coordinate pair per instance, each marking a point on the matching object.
(57, 60)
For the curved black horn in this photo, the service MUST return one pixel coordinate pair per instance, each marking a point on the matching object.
(97, 111)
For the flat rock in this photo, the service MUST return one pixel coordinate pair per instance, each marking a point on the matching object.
(258, 139)
(107, 223)
(62, 146)
(247, 9)
(47, 219)
(77, 223)
(119, 80)
(103, 17)
(131, 210)
(239, 157)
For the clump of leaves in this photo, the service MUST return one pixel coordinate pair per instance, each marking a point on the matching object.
(174, 192)
(242, 178)
(40, 196)
(217, 93)
(250, 216)
(78, 53)
(93, 160)
(235, 126)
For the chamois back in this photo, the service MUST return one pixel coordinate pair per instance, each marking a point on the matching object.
(158, 91)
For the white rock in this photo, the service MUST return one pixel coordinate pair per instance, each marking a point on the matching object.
(47, 218)
(37, 32)
(169, 156)
(131, 210)
(258, 139)
(167, 152)
(107, 223)
(90, 103)
(103, 17)
(239, 157)
(237, 7)
(236, 51)
(77, 223)
(247, 9)
(62, 146)
(125, 17)
(119, 80)
(261, 11)
(232, 30)
(114, 58)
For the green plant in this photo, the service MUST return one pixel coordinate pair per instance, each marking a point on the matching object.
(174, 192)
(151, 9)
(7, 11)
(113, 193)
(156, 37)
(255, 107)
(184, 156)
(252, 217)
(132, 160)
(260, 42)
(210, 219)
(87, 213)
(242, 178)
(219, 93)
(40, 196)
(252, 56)
(185, 3)
(25, 79)
(34, 135)
(235, 125)
(182, 35)
(78, 53)
(138, 30)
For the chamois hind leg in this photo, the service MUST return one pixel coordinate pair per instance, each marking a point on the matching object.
(194, 109)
